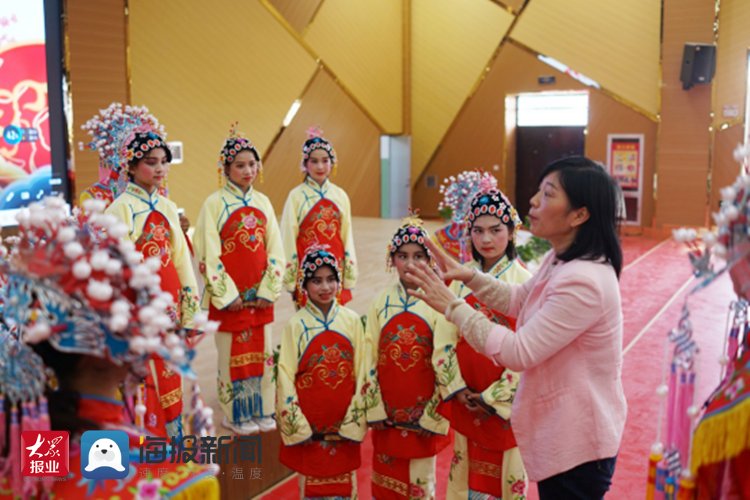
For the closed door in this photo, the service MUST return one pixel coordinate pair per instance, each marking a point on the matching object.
(536, 147)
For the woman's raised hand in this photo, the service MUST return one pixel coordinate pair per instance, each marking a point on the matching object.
(432, 289)
(449, 268)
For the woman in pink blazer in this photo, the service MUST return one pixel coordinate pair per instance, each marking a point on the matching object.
(569, 412)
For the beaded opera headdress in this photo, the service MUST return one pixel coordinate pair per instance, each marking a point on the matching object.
(315, 141)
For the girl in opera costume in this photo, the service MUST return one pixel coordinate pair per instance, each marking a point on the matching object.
(89, 317)
(153, 225)
(318, 212)
(479, 393)
(238, 244)
(102, 127)
(408, 430)
(320, 405)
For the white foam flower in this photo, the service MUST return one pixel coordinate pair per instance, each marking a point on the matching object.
(99, 260)
(709, 238)
(99, 290)
(81, 270)
(133, 257)
(153, 264)
(172, 340)
(23, 217)
(154, 281)
(120, 306)
(719, 218)
(153, 344)
(126, 246)
(741, 152)
(679, 234)
(108, 220)
(138, 344)
(720, 250)
(728, 193)
(200, 319)
(690, 234)
(177, 354)
(160, 304)
(73, 250)
(211, 327)
(146, 314)
(731, 212)
(37, 332)
(113, 268)
(118, 323)
(66, 235)
(55, 202)
(163, 322)
(94, 206)
(118, 230)
(37, 218)
(151, 331)
(140, 409)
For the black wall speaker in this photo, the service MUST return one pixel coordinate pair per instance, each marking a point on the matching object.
(698, 64)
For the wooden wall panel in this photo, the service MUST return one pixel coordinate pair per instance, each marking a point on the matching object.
(348, 36)
(297, 14)
(209, 65)
(684, 138)
(98, 72)
(515, 5)
(730, 81)
(452, 43)
(615, 43)
(355, 138)
(479, 138)
(608, 116)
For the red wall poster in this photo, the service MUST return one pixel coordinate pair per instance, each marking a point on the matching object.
(625, 161)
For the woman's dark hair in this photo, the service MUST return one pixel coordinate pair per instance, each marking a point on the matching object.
(63, 402)
(587, 184)
(510, 250)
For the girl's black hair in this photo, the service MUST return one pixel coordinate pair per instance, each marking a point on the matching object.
(587, 184)
(63, 402)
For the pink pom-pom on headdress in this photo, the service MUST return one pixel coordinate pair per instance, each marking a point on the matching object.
(314, 131)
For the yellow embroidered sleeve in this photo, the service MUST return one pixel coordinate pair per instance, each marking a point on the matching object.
(220, 289)
(444, 359)
(271, 283)
(189, 301)
(372, 394)
(350, 255)
(293, 425)
(289, 231)
(500, 394)
(354, 426)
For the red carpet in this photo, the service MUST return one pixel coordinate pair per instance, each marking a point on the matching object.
(655, 280)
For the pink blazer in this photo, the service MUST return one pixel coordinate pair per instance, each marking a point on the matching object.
(570, 407)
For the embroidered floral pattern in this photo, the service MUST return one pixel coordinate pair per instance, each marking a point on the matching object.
(447, 366)
(216, 284)
(517, 486)
(458, 457)
(290, 418)
(417, 490)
